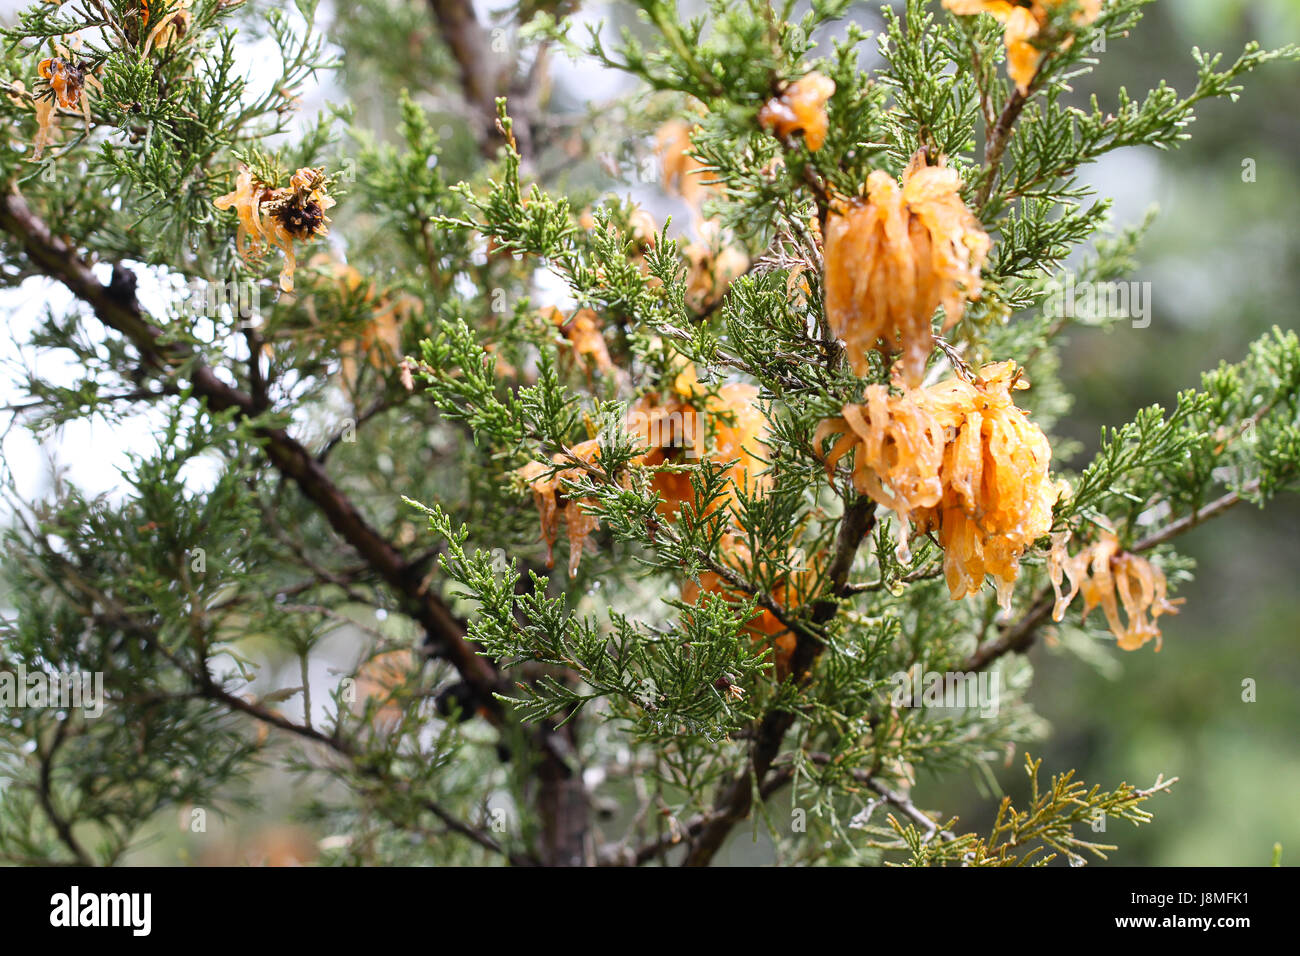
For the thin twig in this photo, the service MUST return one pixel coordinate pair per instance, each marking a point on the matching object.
(1019, 636)
(1200, 515)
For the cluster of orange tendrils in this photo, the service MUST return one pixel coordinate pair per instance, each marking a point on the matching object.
(897, 448)
(545, 480)
(68, 82)
(172, 26)
(583, 333)
(714, 258)
(713, 263)
(683, 174)
(671, 428)
(740, 431)
(1099, 572)
(1023, 24)
(278, 215)
(960, 459)
(896, 256)
(801, 107)
(380, 341)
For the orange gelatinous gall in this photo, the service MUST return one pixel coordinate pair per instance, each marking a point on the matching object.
(959, 459)
(791, 590)
(278, 216)
(713, 264)
(584, 334)
(801, 107)
(1101, 572)
(545, 482)
(675, 430)
(683, 173)
(1023, 25)
(895, 257)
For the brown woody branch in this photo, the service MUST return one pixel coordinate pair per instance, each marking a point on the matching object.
(1017, 637)
(621, 855)
(781, 775)
(115, 305)
(1200, 515)
(470, 48)
(480, 75)
(997, 138)
(737, 799)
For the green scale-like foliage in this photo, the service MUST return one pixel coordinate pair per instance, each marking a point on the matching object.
(370, 492)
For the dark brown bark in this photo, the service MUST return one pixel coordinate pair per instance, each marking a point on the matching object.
(469, 46)
(562, 799)
(481, 76)
(116, 307)
(563, 806)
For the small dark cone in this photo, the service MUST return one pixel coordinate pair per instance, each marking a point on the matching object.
(300, 221)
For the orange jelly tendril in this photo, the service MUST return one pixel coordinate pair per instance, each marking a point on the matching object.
(958, 459)
(545, 482)
(278, 216)
(1101, 572)
(1023, 24)
(801, 108)
(894, 257)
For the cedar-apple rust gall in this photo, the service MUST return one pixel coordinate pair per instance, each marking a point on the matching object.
(670, 428)
(1026, 27)
(62, 83)
(1102, 571)
(800, 108)
(278, 216)
(958, 458)
(896, 256)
